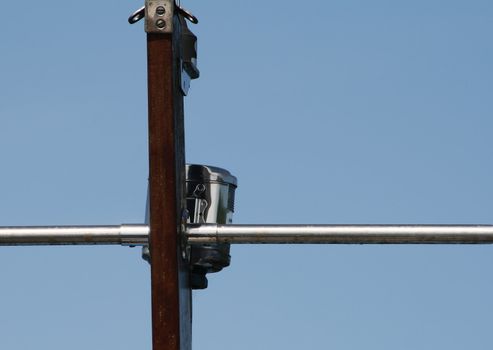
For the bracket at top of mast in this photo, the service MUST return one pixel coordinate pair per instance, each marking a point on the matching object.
(158, 24)
(159, 16)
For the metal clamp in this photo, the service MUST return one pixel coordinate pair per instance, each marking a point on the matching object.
(159, 16)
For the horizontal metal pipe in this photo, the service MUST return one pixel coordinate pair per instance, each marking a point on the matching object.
(340, 234)
(75, 235)
(131, 235)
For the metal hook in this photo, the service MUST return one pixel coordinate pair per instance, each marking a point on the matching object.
(140, 13)
(137, 15)
(187, 14)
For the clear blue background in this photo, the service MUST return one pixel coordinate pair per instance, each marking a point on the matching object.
(326, 111)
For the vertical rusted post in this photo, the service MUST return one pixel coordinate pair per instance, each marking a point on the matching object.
(171, 293)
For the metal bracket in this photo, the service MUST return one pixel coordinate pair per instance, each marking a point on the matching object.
(159, 16)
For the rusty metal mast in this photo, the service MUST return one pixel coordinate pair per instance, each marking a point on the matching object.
(171, 292)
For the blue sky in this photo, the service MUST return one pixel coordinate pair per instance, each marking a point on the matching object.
(326, 111)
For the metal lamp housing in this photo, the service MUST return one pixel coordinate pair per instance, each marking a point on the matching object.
(210, 193)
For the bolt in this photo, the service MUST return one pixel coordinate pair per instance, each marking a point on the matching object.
(160, 23)
(160, 10)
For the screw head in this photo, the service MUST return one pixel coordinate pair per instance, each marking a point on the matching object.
(160, 23)
(160, 10)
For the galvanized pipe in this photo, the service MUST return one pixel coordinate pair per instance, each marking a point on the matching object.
(340, 234)
(130, 235)
(75, 235)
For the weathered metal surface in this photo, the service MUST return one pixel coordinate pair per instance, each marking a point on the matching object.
(159, 16)
(171, 293)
